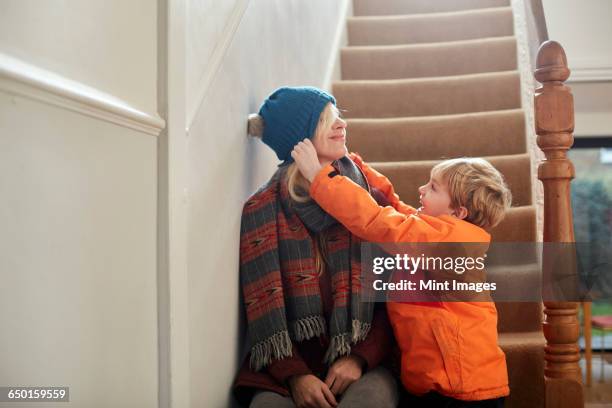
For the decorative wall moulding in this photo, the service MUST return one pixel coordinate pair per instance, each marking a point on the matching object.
(590, 71)
(20, 78)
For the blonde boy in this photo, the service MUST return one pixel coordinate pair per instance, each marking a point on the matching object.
(449, 349)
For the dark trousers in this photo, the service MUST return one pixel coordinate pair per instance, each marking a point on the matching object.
(435, 400)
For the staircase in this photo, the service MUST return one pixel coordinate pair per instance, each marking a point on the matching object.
(428, 80)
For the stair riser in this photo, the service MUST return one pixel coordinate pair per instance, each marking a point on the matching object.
(385, 7)
(436, 137)
(511, 316)
(525, 375)
(408, 177)
(519, 225)
(430, 28)
(429, 61)
(424, 97)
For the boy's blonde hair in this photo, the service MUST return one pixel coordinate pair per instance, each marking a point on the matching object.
(478, 186)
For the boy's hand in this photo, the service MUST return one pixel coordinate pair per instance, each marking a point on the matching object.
(306, 158)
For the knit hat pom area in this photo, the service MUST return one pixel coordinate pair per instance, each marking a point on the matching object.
(290, 115)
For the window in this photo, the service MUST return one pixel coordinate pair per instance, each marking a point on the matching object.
(592, 208)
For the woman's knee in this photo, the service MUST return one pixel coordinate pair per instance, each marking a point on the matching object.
(269, 399)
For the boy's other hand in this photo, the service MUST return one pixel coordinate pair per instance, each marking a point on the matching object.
(305, 156)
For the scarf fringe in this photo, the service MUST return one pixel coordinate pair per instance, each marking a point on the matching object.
(276, 346)
(360, 330)
(309, 327)
(279, 345)
(340, 345)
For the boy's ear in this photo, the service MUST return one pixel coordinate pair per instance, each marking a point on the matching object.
(461, 213)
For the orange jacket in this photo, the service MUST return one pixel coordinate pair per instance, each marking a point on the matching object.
(447, 347)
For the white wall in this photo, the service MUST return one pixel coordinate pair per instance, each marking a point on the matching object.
(210, 25)
(262, 45)
(107, 215)
(109, 45)
(593, 108)
(78, 214)
(584, 30)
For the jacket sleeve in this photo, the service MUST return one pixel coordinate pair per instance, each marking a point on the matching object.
(382, 183)
(375, 347)
(366, 218)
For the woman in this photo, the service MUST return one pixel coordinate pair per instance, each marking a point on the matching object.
(315, 337)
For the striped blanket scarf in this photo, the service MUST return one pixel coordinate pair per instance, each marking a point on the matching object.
(279, 279)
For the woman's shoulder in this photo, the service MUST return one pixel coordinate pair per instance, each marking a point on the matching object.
(264, 194)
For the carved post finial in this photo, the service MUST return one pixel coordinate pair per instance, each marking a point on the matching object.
(551, 63)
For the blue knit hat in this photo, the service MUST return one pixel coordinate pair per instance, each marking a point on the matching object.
(290, 115)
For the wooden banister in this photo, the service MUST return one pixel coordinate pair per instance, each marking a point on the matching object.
(554, 122)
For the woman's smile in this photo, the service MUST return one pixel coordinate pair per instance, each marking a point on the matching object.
(340, 137)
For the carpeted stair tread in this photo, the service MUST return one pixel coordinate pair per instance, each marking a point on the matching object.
(424, 60)
(516, 339)
(434, 137)
(407, 176)
(519, 225)
(384, 7)
(430, 28)
(525, 359)
(428, 96)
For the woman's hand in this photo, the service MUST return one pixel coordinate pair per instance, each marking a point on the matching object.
(308, 391)
(305, 156)
(345, 371)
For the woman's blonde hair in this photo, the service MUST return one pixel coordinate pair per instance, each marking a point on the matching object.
(475, 184)
(295, 180)
(298, 186)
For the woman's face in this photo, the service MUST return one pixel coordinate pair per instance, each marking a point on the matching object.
(330, 142)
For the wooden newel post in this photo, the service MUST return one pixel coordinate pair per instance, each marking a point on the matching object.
(554, 121)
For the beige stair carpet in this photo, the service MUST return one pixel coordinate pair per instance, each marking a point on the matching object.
(430, 28)
(429, 96)
(440, 136)
(427, 60)
(386, 7)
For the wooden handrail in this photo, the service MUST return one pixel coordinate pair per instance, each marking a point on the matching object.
(537, 31)
(554, 122)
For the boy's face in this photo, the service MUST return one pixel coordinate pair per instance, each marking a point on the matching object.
(435, 198)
